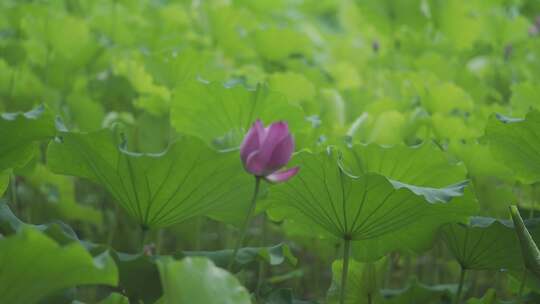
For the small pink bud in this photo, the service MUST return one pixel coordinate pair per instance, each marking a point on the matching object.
(266, 150)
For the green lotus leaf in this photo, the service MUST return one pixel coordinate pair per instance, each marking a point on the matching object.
(58, 231)
(417, 292)
(20, 133)
(365, 280)
(516, 143)
(115, 298)
(425, 165)
(490, 297)
(273, 255)
(35, 266)
(138, 276)
(364, 207)
(65, 202)
(198, 280)
(221, 116)
(187, 180)
(484, 243)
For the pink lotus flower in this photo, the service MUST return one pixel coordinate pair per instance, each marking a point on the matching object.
(266, 150)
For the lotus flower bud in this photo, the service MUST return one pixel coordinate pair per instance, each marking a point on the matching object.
(266, 150)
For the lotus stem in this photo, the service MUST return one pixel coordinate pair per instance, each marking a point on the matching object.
(13, 191)
(144, 233)
(523, 282)
(345, 268)
(460, 286)
(243, 232)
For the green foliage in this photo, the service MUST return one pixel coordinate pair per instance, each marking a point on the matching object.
(368, 207)
(20, 133)
(115, 298)
(30, 256)
(365, 280)
(416, 124)
(484, 243)
(221, 116)
(529, 249)
(418, 292)
(423, 165)
(275, 255)
(515, 142)
(198, 280)
(157, 190)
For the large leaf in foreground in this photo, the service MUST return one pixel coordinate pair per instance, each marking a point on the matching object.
(19, 134)
(34, 266)
(187, 180)
(221, 116)
(484, 243)
(366, 207)
(516, 143)
(198, 280)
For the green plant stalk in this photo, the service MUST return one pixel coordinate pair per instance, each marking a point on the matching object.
(112, 225)
(159, 241)
(523, 282)
(144, 233)
(13, 192)
(262, 268)
(243, 233)
(198, 223)
(345, 268)
(460, 286)
(260, 279)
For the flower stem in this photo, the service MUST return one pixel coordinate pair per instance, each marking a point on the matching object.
(345, 268)
(251, 210)
(460, 286)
